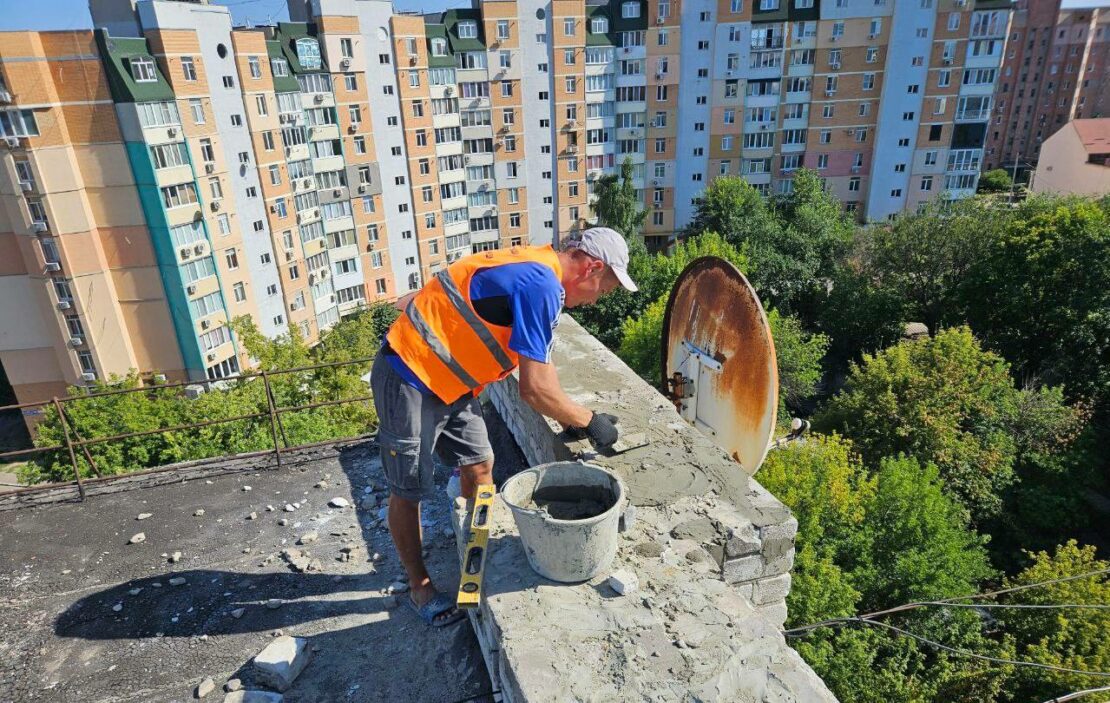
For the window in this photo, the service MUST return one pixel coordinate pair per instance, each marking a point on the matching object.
(280, 67)
(824, 137)
(944, 78)
(188, 68)
(853, 184)
(599, 25)
(308, 53)
(926, 183)
(467, 29)
(169, 155)
(22, 123)
(868, 81)
(236, 120)
(85, 359)
(179, 195)
(215, 189)
(568, 26)
(254, 66)
(630, 10)
(142, 69)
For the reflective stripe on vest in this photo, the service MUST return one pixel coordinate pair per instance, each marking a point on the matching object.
(437, 347)
(472, 319)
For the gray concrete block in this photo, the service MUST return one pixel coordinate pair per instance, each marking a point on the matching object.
(778, 539)
(282, 661)
(743, 569)
(771, 589)
(741, 541)
(774, 613)
(779, 565)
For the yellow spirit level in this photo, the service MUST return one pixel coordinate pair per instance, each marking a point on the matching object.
(474, 562)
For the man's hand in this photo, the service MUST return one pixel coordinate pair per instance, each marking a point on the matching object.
(602, 429)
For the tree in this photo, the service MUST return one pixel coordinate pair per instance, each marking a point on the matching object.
(924, 257)
(798, 354)
(792, 245)
(1075, 638)
(616, 204)
(995, 181)
(944, 401)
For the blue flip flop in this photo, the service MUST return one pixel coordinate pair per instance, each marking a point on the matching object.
(439, 604)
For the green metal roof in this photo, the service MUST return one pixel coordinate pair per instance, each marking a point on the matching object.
(287, 35)
(282, 84)
(609, 38)
(116, 53)
(451, 20)
(438, 31)
(618, 24)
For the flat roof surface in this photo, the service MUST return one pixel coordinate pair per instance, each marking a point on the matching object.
(1094, 134)
(65, 566)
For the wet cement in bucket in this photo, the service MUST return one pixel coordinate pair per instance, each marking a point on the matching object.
(572, 502)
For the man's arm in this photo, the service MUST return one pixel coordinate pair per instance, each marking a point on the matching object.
(540, 388)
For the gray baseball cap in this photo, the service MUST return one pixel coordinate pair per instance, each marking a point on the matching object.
(609, 246)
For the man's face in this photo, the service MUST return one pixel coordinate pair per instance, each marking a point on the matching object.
(592, 281)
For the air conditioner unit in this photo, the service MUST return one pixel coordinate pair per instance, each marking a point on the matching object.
(288, 256)
(466, 159)
(171, 132)
(657, 206)
(627, 50)
(273, 208)
(764, 127)
(331, 298)
(872, 36)
(448, 91)
(659, 76)
(215, 205)
(12, 142)
(39, 226)
(323, 274)
(830, 93)
(634, 133)
(655, 181)
(26, 185)
(834, 38)
(504, 129)
(362, 188)
(209, 167)
(64, 305)
(660, 20)
(211, 357)
(315, 212)
(199, 249)
(76, 341)
(412, 60)
(5, 96)
(947, 60)
(353, 128)
(307, 183)
(190, 290)
(336, 193)
(834, 65)
(53, 266)
(345, 63)
(205, 324)
(856, 169)
(483, 186)
(729, 73)
(88, 377)
(300, 218)
(318, 98)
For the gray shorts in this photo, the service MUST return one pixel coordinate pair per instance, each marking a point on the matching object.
(413, 426)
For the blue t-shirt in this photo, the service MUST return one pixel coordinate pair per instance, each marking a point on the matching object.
(525, 296)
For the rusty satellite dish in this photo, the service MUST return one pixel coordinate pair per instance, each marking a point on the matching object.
(718, 357)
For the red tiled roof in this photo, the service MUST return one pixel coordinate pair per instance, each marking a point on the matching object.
(1094, 134)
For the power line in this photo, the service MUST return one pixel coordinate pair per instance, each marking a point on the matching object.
(1077, 694)
(866, 617)
(1005, 606)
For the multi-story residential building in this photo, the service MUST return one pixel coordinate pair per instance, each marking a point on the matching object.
(296, 172)
(1057, 69)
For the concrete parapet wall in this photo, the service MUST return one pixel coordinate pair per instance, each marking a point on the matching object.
(704, 531)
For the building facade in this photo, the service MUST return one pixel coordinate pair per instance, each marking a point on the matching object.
(1076, 160)
(169, 172)
(1057, 69)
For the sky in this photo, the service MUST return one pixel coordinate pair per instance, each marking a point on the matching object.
(74, 14)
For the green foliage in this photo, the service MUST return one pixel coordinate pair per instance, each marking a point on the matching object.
(1074, 638)
(945, 401)
(798, 353)
(641, 339)
(617, 205)
(924, 257)
(156, 408)
(1040, 295)
(995, 181)
(792, 245)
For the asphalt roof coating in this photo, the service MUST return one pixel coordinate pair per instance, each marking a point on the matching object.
(64, 566)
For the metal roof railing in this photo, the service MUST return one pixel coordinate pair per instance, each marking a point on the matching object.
(75, 443)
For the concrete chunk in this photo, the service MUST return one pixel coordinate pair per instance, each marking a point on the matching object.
(624, 582)
(770, 590)
(205, 687)
(743, 569)
(253, 697)
(741, 541)
(282, 661)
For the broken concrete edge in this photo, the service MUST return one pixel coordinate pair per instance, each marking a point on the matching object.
(755, 531)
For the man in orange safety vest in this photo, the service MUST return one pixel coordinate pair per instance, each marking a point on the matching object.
(473, 324)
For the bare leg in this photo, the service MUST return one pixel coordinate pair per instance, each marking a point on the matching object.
(404, 527)
(472, 475)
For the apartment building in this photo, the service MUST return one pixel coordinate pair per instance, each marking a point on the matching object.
(169, 172)
(1057, 69)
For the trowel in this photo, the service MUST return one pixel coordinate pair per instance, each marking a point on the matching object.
(578, 443)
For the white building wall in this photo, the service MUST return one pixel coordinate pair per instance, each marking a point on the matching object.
(693, 30)
(532, 82)
(212, 23)
(899, 74)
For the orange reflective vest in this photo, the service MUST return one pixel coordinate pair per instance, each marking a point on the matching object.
(444, 341)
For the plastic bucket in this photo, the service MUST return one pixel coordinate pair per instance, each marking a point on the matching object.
(568, 516)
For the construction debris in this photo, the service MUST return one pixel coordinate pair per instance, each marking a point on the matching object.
(281, 661)
(624, 582)
(137, 538)
(339, 502)
(205, 687)
(144, 516)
